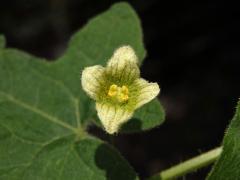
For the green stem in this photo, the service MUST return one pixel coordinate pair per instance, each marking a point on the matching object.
(189, 165)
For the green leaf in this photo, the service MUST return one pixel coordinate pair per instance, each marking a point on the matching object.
(2, 41)
(43, 109)
(61, 158)
(145, 118)
(227, 166)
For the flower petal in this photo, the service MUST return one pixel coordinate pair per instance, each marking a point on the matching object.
(147, 91)
(122, 55)
(123, 65)
(112, 117)
(92, 79)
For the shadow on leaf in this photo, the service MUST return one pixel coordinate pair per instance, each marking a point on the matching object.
(115, 167)
(132, 125)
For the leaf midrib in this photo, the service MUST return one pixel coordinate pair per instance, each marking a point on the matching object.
(74, 99)
(38, 111)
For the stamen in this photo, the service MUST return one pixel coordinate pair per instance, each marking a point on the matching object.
(124, 90)
(113, 90)
(123, 97)
(118, 93)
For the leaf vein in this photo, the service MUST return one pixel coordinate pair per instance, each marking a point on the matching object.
(37, 111)
(73, 98)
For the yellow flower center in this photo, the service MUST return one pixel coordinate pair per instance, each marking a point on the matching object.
(120, 93)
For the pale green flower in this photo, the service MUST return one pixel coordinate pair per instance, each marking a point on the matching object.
(117, 88)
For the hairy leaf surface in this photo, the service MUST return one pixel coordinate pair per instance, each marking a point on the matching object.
(227, 166)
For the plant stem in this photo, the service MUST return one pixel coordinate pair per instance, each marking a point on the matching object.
(189, 165)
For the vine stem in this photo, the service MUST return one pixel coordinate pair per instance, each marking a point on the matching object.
(188, 166)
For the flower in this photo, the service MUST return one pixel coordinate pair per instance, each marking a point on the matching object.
(117, 88)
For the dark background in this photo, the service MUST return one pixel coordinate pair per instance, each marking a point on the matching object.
(193, 53)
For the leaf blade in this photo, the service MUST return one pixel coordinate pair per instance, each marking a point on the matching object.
(227, 165)
(147, 117)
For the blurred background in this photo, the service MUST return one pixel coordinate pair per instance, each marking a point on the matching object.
(193, 53)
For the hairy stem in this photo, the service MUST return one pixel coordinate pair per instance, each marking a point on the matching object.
(189, 165)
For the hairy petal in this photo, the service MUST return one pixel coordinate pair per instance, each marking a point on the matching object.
(92, 80)
(112, 117)
(123, 65)
(147, 91)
